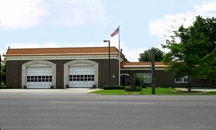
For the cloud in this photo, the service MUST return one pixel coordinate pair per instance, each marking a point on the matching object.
(20, 13)
(163, 28)
(29, 13)
(32, 45)
(50, 45)
(74, 12)
(131, 54)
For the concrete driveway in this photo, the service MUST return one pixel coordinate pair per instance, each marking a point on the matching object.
(69, 90)
(203, 90)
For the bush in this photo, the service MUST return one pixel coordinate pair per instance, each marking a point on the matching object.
(138, 88)
(128, 88)
(139, 79)
(2, 84)
(113, 87)
(5, 87)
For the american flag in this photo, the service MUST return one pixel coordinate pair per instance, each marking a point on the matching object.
(115, 32)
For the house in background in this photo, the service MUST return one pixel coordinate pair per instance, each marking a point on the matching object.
(87, 67)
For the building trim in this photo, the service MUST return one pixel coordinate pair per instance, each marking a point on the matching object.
(142, 68)
(11, 58)
(124, 74)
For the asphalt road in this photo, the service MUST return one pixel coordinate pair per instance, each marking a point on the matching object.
(59, 111)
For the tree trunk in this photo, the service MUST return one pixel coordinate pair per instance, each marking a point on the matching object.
(189, 83)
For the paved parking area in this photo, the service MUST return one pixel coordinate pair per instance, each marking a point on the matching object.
(69, 90)
(65, 111)
(74, 90)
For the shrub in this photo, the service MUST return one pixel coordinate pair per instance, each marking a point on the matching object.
(5, 87)
(2, 84)
(138, 88)
(140, 79)
(113, 87)
(128, 88)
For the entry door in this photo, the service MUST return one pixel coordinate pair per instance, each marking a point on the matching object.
(39, 77)
(81, 76)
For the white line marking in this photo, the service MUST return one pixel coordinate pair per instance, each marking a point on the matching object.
(131, 103)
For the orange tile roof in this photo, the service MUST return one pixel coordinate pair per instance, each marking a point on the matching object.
(142, 64)
(62, 51)
(51, 51)
(79, 51)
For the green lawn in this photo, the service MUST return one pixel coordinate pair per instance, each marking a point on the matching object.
(147, 91)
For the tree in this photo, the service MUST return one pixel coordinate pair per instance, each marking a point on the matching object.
(184, 58)
(207, 68)
(208, 28)
(3, 74)
(146, 55)
(207, 64)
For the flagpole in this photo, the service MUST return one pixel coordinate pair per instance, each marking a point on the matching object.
(119, 59)
(117, 31)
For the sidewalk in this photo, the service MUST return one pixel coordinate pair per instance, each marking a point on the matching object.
(68, 90)
(203, 90)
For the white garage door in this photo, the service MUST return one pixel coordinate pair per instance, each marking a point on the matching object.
(81, 76)
(39, 77)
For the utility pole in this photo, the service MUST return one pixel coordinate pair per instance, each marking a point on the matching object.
(153, 69)
(109, 57)
(141, 83)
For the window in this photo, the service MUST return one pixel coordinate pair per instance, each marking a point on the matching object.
(39, 78)
(81, 77)
(147, 77)
(182, 80)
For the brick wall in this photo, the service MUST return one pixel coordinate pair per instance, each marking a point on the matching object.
(165, 78)
(14, 68)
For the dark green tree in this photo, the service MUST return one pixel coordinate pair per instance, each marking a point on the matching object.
(208, 28)
(207, 67)
(184, 58)
(207, 64)
(3, 74)
(146, 55)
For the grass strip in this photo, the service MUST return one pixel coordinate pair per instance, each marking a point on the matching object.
(147, 91)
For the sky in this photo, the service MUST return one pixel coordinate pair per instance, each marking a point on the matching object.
(86, 23)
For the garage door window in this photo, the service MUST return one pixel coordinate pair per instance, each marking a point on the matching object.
(39, 78)
(81, 78)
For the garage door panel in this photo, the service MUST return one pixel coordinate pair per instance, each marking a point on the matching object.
(39, 77)
(38, 85)
(82, 76)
